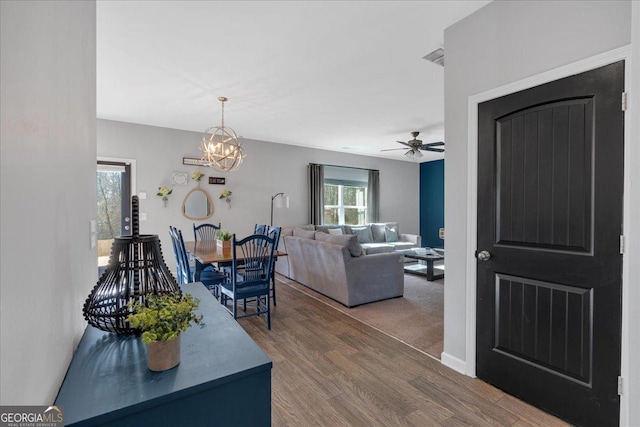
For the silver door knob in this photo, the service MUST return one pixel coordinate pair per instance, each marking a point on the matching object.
(483, 256)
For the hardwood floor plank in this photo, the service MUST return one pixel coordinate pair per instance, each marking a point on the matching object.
(329, 369)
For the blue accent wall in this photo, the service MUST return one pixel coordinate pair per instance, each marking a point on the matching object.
(431, 203)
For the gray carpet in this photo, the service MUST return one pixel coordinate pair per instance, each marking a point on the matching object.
(415, 319)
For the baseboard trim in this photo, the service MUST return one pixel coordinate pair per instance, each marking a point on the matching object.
(454, 363)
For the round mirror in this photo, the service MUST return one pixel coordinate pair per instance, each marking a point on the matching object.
(197, 205)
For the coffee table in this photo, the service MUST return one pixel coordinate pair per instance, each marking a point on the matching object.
(427, 268)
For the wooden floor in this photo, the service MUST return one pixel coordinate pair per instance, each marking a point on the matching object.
(332, 370)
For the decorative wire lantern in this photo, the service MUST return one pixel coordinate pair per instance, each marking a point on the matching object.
(220, 147)
(136, 269)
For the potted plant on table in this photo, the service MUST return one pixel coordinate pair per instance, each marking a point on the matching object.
(224, 240)
(161, 320)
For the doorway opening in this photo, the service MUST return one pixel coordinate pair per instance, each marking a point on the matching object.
(113, 190)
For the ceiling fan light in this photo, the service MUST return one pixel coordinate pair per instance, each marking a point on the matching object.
(413, 154)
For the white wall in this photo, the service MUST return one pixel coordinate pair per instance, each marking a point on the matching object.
(47, 197)
(503, 42)
(631, 355)
(268, 169)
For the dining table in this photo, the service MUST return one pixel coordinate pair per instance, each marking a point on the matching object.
(207, 252)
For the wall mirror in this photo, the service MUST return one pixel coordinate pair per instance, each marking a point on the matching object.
(197, 205)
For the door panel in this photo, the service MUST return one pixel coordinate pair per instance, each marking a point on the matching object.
(559, 341)
(550, 181)
(546, 201)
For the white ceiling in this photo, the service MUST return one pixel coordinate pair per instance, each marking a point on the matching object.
(339, 75)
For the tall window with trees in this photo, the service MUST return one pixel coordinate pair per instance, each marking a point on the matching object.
(345, 204)
(347, 198)
(343, 195)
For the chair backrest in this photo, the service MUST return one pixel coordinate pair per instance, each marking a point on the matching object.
(174, 243)
(205, 231)
(182, 258)
(274, 232)
(255, 268)
(260, 229)
(271, 231)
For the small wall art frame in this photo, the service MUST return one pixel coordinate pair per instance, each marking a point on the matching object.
(216, 180)
(191, 161)
(179, 178)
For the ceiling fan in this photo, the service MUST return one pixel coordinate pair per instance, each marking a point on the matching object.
(415, 145)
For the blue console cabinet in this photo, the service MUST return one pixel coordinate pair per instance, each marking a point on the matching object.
(223, 379)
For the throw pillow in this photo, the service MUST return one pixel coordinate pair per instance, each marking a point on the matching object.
(335, 231)
(377, 230)
(391, 234)
(348, 240)
(306, 234)
(363, 233)
(326, 228)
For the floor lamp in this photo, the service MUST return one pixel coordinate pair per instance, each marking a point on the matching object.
(283, 201)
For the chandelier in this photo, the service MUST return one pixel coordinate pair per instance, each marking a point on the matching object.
(220, 147)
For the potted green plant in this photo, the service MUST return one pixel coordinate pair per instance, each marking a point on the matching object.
(161, 320)
(223, 240)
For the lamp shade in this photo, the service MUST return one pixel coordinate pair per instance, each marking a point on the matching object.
(281, 202)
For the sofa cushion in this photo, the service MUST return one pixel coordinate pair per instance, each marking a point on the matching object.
(377, 231)
(390, 234)
(286, 231)
(377, 248)
(306, 234)
(326, 228)
(348, 240)
(401, 245)
(335, 231)
(363, 233)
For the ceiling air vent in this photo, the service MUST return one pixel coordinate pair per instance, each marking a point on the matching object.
(437, 56)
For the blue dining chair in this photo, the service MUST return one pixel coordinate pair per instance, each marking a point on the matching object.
(205, 231)
(249, 276)
(209, 276)
(260, 229)
(273, 232)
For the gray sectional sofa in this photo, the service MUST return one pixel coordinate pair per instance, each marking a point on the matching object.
(335, 263)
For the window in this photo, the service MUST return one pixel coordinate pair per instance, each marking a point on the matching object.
(345, 195)
(345, 204)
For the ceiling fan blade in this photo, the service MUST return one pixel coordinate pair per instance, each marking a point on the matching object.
(437, 150)
(404, 143)
(433, 144)
(393, 149)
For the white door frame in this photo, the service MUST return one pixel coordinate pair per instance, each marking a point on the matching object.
(623, 53)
